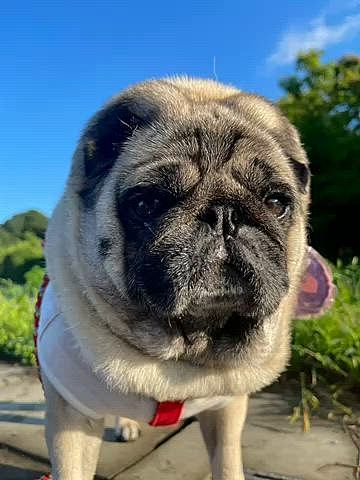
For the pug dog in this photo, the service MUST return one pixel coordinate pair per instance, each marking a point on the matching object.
(175, 259)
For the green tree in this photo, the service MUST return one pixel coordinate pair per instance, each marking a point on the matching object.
(31, 221)
(323, 101)
(20, 245)
(21, 256)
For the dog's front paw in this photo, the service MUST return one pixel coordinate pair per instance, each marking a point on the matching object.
(126, 430)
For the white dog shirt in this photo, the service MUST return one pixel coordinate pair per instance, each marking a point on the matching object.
(61, 361)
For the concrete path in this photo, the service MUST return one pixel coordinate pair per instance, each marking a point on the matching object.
(270, 443)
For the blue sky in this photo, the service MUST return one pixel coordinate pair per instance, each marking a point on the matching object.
(60, 61)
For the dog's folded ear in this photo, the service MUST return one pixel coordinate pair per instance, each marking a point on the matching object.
(288, 138)
(317, 291)
(106, 134)
(289, 141)
(269, 117)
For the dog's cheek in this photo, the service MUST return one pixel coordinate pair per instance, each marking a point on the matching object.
(145, 273)
(262, 259)
(268, 291)
(164, 267)
(152, 277)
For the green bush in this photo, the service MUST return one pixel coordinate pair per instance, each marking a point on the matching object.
(17, 317)
(20, 256)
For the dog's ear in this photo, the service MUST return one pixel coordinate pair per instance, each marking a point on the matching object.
(289, 141)
(105, 137)
(269, 117)
(287, 137)
(302, 173)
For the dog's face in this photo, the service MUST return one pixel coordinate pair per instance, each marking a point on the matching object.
(192, 194)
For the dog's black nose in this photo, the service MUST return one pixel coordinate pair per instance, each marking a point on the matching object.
(224, 220)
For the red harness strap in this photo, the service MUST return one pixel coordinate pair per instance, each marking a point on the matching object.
(37, 315)
(167, 414)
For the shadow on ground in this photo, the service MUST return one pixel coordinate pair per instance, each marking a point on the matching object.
(8, 472)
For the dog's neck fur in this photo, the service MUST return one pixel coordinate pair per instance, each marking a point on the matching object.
(125, 368)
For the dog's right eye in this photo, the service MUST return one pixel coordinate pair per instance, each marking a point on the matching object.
(145, 203)
(146, 207)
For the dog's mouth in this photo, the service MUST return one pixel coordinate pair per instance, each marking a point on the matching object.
(230, 325)
(239, 326)
(215, 341)
(212, 340)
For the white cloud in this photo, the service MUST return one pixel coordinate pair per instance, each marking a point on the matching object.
(319, 35)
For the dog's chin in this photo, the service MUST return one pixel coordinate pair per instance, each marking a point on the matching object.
(211, 333)
(213, 329)
(222, 339)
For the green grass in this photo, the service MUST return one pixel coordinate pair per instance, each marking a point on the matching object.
(326, 354)
(329, 347)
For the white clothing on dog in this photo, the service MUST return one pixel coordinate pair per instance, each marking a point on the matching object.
(61, 361)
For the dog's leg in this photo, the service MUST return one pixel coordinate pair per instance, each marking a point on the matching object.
(73, 440)
(221, 430)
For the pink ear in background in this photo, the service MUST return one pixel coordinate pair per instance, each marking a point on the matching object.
(317, 291)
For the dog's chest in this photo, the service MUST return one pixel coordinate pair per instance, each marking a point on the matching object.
(61, 361)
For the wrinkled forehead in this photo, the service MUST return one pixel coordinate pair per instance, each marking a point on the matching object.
(180, 154)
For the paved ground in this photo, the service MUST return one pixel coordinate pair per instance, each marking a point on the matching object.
(270, 443)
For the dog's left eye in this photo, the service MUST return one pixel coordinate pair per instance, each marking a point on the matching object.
(278, 204)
